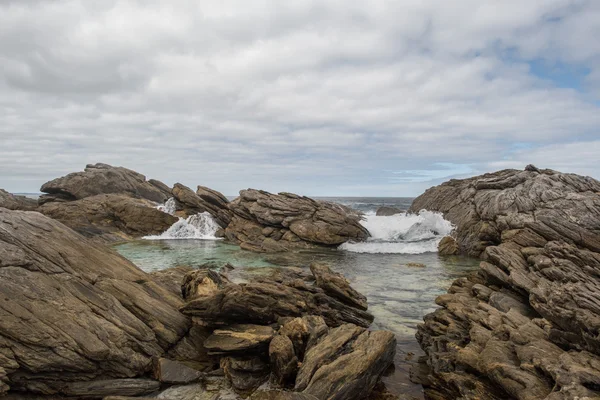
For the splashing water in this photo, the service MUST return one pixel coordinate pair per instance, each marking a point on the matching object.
(169, 207)
(198, 226)
(402, 233)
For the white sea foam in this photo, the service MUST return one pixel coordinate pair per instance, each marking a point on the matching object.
(402, 233)
(169, 207)
(198, 226)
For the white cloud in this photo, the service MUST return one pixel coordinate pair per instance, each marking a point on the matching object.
(318, 97)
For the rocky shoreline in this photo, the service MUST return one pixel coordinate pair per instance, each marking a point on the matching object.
(78, 320)
(527, 324)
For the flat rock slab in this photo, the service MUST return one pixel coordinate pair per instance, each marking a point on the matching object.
(239, 338)
(175, 372)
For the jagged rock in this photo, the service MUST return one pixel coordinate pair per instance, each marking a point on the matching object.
(266, 222)
(110, 217)
(265, 301)
(386, 211)
(241, 338)
(245, 374)
(283, 361)
(448, 246)
(105, 179)
(279, 395)
(174, 372)
(14, 202)
(74, 312)
(526, 324)
(204, 200)
(304, 333)
(171, 278)
(335, 285)
(346, 363)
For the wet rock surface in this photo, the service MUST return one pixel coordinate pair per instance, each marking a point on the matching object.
(266, 222)
(527, 324)
(203, 200)
(75, 317)
(386, 211)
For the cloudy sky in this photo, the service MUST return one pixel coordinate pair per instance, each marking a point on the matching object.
(323, 97)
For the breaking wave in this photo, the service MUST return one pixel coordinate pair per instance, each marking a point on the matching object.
(402, 233)
(198, 226)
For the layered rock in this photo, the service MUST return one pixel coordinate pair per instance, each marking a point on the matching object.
(203, 200)
(14, 202)
(306, 340)
(104, 179)
(527, 324)
(110, 217)
(265, 300)
(268, 222)
(75, 317)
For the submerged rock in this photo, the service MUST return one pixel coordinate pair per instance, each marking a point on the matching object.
(266, 222)
(387, 211)
(527, 324)
(76, 318)
(14, 202)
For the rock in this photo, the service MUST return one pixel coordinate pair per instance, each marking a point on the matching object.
(415, 265)
(241, 338)
(386, 211)
(110, 217)
(204, 200)
(526, 324)
(202, 282)
(191, 349)
(14, 202)
(304, 333)
(195, 391)
(105, 179)
(283, 361)
(266, 222)
(74, 312)
(102, 388)
(245, 374)
(280, 395)
(265, 300)
(448, 246)
(171, 278)
(346, 364)
(174, 372)
(335, 285)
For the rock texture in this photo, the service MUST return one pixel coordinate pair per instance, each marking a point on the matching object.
(107, 203)
(203, 200)
(527, 324)
(14, 202)
(266, 222)
(110, 217)
(104, 179)
(75, 317)
(263, 301)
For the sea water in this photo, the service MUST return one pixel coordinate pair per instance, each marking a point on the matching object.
(397, 268)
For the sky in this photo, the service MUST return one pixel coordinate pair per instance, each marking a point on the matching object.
(368, 98)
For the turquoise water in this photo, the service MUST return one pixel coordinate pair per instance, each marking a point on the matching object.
(399, 294)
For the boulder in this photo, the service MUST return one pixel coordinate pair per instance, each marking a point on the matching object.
(241, 338)
(265, 300)
(104, 179)
(110, 217)
(76, 318)
(387, 211)
(448, 246)
(526, 325)
(283, 361)
(14, 202)
(266, 222)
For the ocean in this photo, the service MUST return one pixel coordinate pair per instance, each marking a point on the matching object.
(398, 268)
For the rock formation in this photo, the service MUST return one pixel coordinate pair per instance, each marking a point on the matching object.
(386, 211)
(311, 337)
(13, 202)
(76, 318)
(104, 179)
(527, 324)
(266, 222)
(204, 200)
